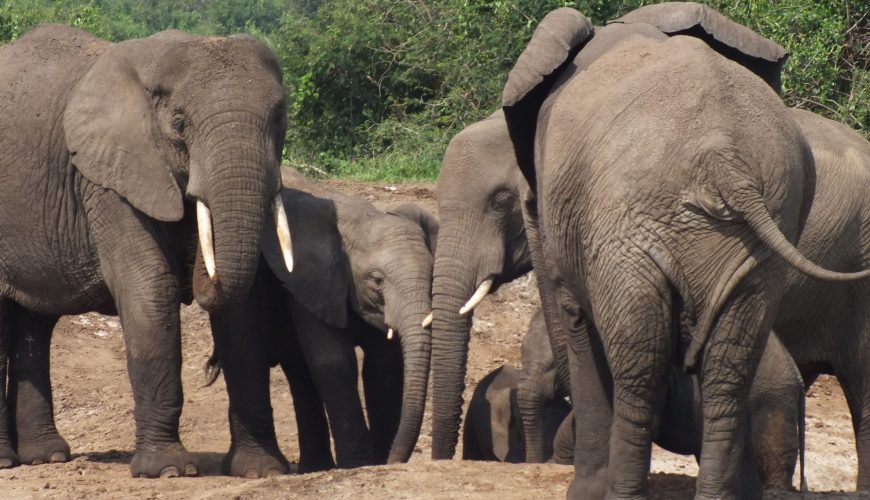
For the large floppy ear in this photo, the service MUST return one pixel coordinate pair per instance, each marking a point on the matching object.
(320, 279)
(108, 129)
(760, 55)
(427, 222)
(554, 43)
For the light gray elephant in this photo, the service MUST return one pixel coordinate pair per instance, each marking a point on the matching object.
(826, 326)
(109, 155)
(669, 186)
(366, 281)
(478, 193)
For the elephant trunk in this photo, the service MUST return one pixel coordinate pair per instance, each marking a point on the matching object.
(532, 396)
(416, 350)
(238, 191)
(453, 283)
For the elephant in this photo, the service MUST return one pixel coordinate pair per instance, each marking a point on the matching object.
(493, 430)
(669, 187)
(776, 412)
(826, 326)
(480, 192)
(366, 279)
(111, 156)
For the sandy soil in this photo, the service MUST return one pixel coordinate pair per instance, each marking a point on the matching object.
(94, 413)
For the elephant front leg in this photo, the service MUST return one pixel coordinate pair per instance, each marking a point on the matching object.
(36, 436)
(382, 384)
(242, 346)
(8, 457)
(330, 354)
(727, 370)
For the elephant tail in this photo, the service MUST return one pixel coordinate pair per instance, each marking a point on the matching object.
(761, 222)
(211, 370)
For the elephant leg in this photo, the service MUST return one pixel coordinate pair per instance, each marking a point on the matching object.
(315, 449)
(242, 337)
(591, 396)
(8, 457)
(36, 436)
(637, 329)
(854, 376)
(382, 376)
(330, 354)
(728, 368)
(146, 292)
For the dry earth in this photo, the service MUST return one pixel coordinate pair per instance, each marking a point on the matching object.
(94, 412)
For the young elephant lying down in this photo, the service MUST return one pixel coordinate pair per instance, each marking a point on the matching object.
(363, 279)
(494, 431)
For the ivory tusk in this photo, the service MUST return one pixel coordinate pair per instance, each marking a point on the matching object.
(389, 334)
(475, 299)
(206, 242)
(427, 321)
(283, 231)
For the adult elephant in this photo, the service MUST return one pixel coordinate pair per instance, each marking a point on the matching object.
(826, 326)
(366, 280)
(106, 149)
(480, 194)
(669, 186)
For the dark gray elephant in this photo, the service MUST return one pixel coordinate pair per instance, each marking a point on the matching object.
(670, 185)
(366, 281)
(479, 193)
(826, 326)
(493, 430)
(105, 149)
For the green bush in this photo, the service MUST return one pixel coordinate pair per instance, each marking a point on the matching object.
(376, 88)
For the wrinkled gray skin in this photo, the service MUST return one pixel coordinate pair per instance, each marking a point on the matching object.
(493, 430)
(826, 326)
(103, 150)
(479, 193)
(361, 272)
(773, 442)
(666, 182)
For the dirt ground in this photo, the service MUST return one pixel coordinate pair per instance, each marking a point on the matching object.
(94, 413)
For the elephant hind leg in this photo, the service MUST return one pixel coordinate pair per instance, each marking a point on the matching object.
(854, 378)
(637, 329)
(30, 398)
(8, 457)
(728, 368)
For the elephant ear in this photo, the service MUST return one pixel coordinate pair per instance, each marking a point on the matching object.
(320, 280)
(554, 43)
(735, 41)
(427, 222)
(108, 129)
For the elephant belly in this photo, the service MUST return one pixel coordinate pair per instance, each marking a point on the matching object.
(47, 261)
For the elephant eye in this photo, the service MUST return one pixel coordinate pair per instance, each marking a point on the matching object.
(178, 123)
(503, 201)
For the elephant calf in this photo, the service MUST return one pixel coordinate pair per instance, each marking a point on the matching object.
(366, 279)
(493, 430)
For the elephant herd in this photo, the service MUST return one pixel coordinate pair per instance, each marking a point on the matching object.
(700, 249)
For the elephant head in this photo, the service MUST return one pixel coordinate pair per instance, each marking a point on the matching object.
(481, 198)
(378, 265)
(177, 117)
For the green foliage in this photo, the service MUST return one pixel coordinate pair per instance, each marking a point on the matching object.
(376, 88)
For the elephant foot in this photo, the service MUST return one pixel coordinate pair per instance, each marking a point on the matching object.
(43, 451)
(593, 487)
(8, 457)
(171, 461)
(254, 463)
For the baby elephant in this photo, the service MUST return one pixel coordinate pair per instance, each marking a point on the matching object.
(776, 404)
(493, 430)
